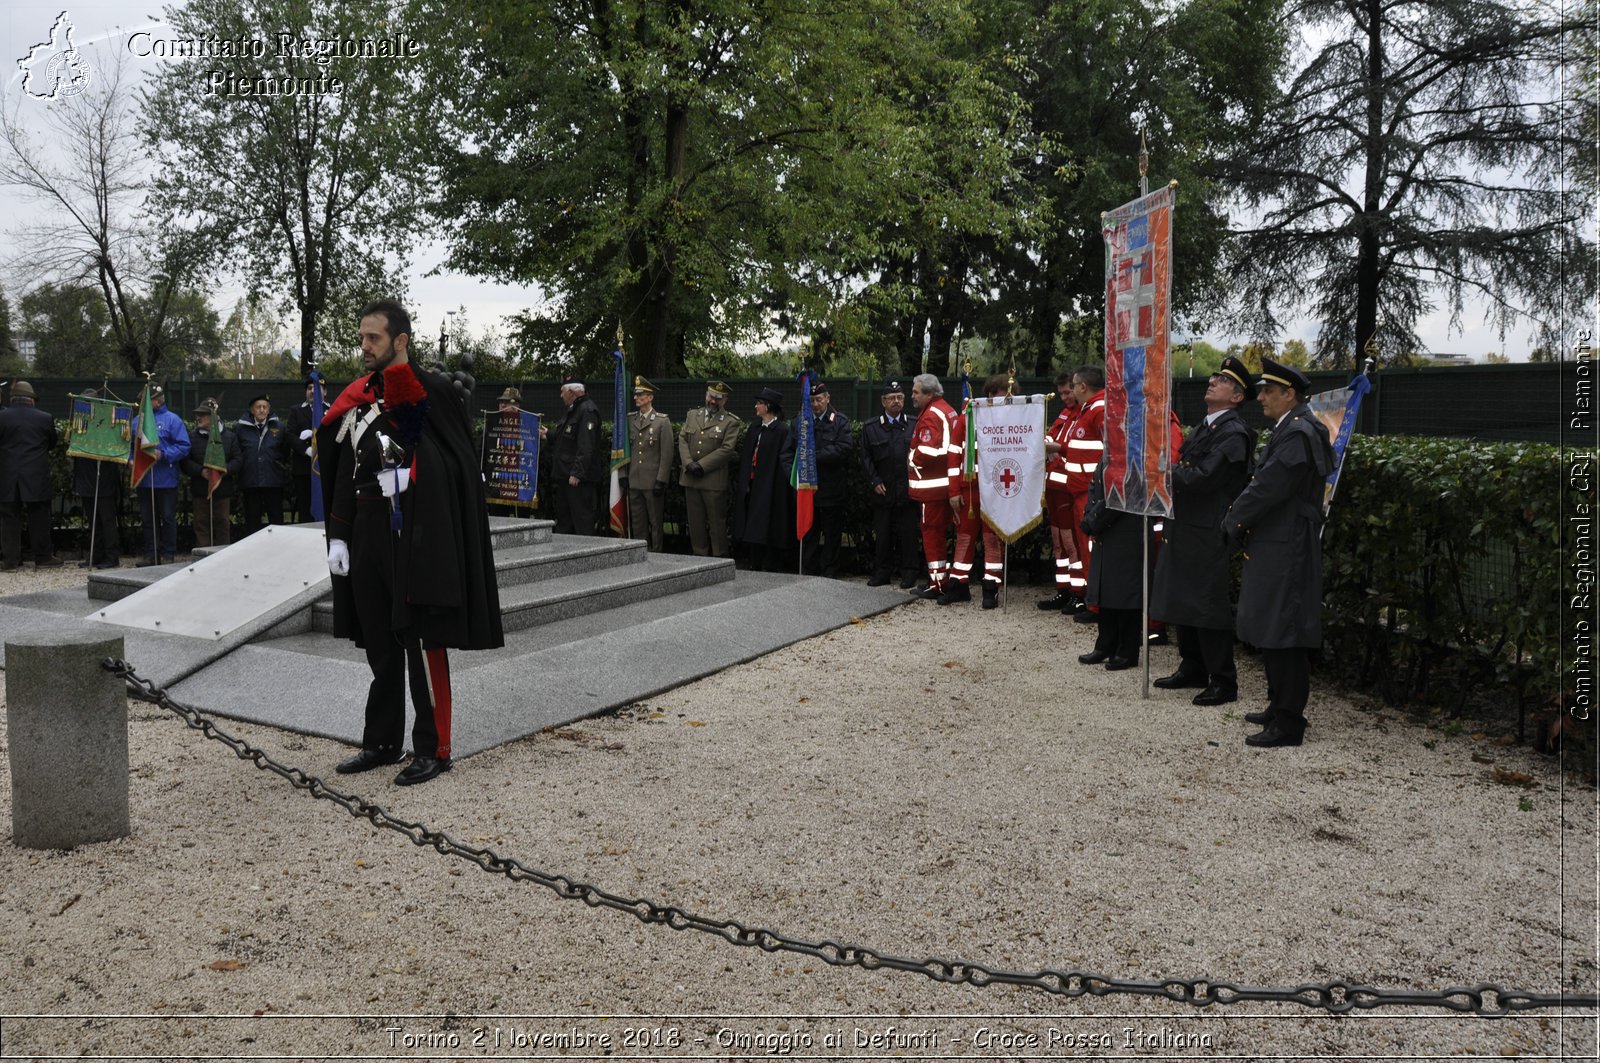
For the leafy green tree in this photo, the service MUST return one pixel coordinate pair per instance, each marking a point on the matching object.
(193, 335)
(701, 172)
(308, 195)
(1195, 76)
(251, 337)
(1417, 155)
(10, 357)
(71, 330)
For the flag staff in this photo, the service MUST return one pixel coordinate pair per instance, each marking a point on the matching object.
(155, 531)
(211, 495)
(1144, 518)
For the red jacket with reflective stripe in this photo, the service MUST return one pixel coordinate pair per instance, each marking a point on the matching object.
(1055, 468)
(1086, 444)
(928, 459)
(960, 488)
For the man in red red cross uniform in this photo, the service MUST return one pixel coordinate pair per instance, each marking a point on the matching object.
(1081, 455)
(1058, 500)
(967, 506)
(928, 476)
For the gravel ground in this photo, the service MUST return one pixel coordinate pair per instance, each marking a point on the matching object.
(964, 791)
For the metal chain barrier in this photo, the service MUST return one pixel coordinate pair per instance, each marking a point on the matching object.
(1484, 999)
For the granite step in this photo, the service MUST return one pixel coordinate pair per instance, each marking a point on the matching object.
(505, 534)
(589, 590)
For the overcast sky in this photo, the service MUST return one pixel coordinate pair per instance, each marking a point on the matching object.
(100, 26)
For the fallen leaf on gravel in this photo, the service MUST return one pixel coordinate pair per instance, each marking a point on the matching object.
(804, 700)
(954, 664)
(1478, 736)
(74, 899)
(226, 965)
(702, 723)
(1512, 778)
(857, 620)
(1480, 758)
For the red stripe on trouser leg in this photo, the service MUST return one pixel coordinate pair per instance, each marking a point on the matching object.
(438, 662)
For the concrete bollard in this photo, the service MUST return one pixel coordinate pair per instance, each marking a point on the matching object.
(67, 729)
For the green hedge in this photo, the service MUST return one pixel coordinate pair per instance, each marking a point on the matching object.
(1443, 574)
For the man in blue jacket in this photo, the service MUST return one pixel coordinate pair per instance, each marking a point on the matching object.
(158, 491)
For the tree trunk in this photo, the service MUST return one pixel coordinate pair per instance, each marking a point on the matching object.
(1370, 223)
(1046, 320)
(653, 348)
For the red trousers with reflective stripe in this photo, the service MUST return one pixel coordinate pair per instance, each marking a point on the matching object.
(936, 520)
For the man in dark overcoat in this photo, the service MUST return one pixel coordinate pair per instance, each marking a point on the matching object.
(579, 458)
(1277, 521)
(27, 434)
(836, 443)
(1193, 574)
(885, 441)
(408, 542)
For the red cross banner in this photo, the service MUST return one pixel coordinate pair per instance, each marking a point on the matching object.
(1009, 430)
(1139, 454)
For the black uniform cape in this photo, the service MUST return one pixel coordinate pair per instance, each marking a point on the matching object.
(445, 592)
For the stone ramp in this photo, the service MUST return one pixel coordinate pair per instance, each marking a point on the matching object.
(548, 675)
(591, 625)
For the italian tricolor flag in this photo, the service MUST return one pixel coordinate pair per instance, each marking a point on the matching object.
(147, 442)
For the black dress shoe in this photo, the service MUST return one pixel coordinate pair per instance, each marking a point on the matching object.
(878, 581)
(909, 582)
(1093, 656)
(955, 593)
(1179, 680)
(1086, 617)
(1060, 601)
(991, 597)
(421, 769)
(368, 759)
(1261, 718)
(1215, 695)
(1273, 736)
(1158, 638)
(1121, 664)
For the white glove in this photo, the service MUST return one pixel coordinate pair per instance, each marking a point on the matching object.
(308, 452)
(305, 435)
(338, 557)
(394, 481)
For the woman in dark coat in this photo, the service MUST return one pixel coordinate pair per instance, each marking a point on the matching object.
(1115, 586)
(763, 500)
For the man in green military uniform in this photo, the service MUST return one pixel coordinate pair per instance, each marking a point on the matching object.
(649, 463)
(708, 448)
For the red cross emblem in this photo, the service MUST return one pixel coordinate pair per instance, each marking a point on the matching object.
(1006, 479)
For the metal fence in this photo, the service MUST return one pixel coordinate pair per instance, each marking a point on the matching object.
(1490, 402)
